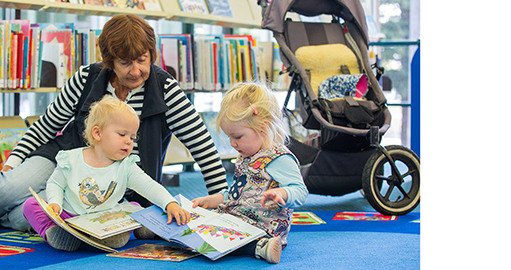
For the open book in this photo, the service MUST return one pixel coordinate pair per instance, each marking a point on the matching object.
(107, 223)
(84, 238)
(211, 234)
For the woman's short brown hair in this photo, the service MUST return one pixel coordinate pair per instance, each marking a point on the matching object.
(126, 37)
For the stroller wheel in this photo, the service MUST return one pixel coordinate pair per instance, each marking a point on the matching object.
(392, 192)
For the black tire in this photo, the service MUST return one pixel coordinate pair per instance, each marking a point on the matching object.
(379, 183)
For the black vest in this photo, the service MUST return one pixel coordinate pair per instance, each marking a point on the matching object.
(154, 135)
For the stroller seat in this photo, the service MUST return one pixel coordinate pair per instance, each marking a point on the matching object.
(322, 62)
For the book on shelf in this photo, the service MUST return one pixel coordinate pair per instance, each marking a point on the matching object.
(156, 252)
(186, 69)
(194, 6)
(9, 138)
(61, 33)
(220, 8)
(221, 140)
(170, 54)
(211, 234)
(52, 65)
(63, 224)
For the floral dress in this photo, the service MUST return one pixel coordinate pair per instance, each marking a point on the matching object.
(251, 180)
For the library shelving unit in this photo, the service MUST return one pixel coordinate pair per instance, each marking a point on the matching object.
(246, 14)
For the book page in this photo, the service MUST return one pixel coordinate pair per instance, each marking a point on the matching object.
(107, 223)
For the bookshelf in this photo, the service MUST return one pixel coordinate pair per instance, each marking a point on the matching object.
(247, 13)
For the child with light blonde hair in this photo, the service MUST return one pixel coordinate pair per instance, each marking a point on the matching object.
(104, 165)
(267, 181)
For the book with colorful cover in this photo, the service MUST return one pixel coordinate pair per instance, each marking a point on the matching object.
(212, 234)
(9, 138)
(194, 6)
(107, 223)
(62, 36)
(221, 140)
(220, 8)
(61, 223)
(170, 53)
(186, 58)
(64, 33)
(157, 252)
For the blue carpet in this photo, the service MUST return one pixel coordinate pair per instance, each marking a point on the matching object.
(336, 244)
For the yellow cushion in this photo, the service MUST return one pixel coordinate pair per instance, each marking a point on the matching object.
(324, 61)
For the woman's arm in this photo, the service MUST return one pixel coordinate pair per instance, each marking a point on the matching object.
(57, 115)
(184, 121)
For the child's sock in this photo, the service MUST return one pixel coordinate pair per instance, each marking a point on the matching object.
(58, 238)
(269, 249)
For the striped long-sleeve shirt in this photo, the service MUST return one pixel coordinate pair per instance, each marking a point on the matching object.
(181, 118)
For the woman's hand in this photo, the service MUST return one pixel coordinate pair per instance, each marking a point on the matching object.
(175, 211)
(277, 195)
(211, 201)
(6, 168)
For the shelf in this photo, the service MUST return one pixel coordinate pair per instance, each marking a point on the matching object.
(247, 13)
(80, 9)
(30, 90)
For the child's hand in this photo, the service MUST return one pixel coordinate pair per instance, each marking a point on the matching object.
(211, 201)
(55, 207)
(175, 211)
(277, 195)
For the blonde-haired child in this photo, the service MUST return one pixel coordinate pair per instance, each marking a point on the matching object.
(105, 164)
(267, 181)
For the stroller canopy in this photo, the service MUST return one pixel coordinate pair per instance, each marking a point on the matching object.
(349, 10)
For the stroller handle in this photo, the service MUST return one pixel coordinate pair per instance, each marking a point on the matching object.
(348, 130)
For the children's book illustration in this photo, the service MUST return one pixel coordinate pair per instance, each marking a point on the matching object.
(211, 234)
(157, 252)
(104, 224)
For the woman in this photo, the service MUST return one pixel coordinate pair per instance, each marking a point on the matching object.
(127, 45)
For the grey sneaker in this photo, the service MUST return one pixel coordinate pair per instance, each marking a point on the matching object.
(58, 238)
(116, 241)
(144, 233)
(269, 249)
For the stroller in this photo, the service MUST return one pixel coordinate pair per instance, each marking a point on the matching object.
(339, 95)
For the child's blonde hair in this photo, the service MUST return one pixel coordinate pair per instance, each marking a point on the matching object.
(254, 105)
(101, 113)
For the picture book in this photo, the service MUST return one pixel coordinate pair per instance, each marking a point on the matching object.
(220, 8)
(157, 252)
(194, 6)
(211, 234)
(61, 223)
(186, 68)
(107, 223)
(9, 138)
(221, 140)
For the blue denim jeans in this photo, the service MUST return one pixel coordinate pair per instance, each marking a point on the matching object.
(33, 172)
